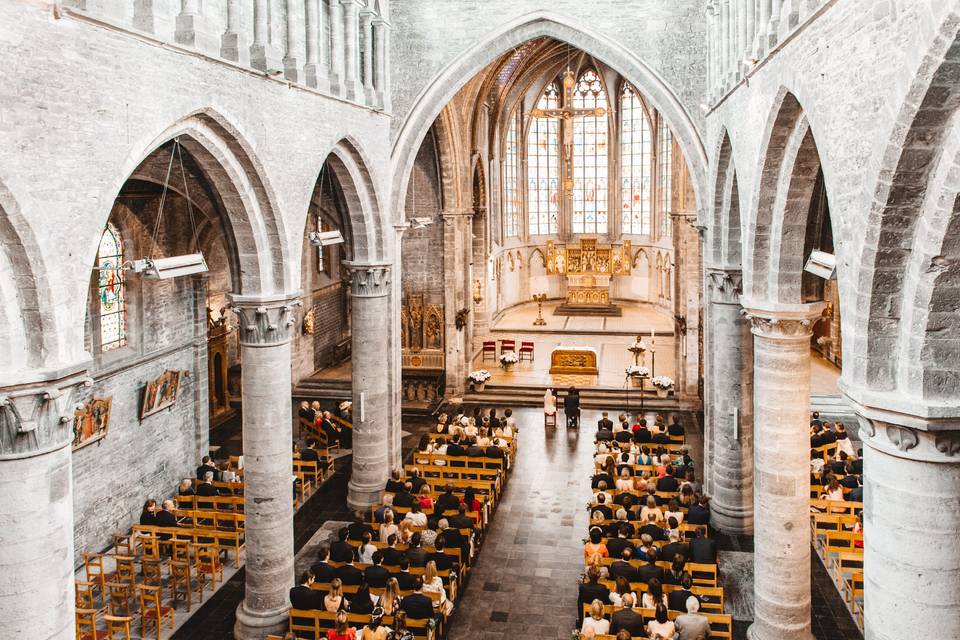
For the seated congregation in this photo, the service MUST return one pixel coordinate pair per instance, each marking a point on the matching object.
(399, 571)
(651, 565)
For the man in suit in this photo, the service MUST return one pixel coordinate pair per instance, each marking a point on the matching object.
(622, 567)
(623, 437)
(310, 454)
(675, 428)
(206, 488)
(692, 625)
(602, 506)
(642, 435)
(303, 597)
(416, 605)
(446, 501)
(677, 599)
(616, 546)
(672, 548)
(456, 448)
(650, 570)
(627, 619)
(605, 422)
(165, 518)
(591, 590)
(375, 575)
(357, 528)
(307, 413)
(416, 555)
(341, 550)
(858, 463)
(416, 482)
(703, 550)
(405, 497)
(394, 483)
(391, 555)
(206, 465)
(443, 561)
(475, 450)
(349, 574)
(668, 483)
(461, 520)
(494, 422)
(652, 529)
(405, 579)
(321, 569)
(699, 513)
(604, 435)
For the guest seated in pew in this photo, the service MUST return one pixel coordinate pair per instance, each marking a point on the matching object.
(462, 520)
(475, 450)
(668, 483)
(673, 547)
(375, 575)
(416, 516)
(604, 435)
(595, 621)
(651, 508)
(627, 619)
(366, 549)
(405, 497)
(644, 456)
(166, 518)
(833, 490)
(310, 453)
(616, 546)
(349, 574)
(148, 515)
(391, 555)
(621, 587)
(400, 631)
(623, 437)
(508, 426)
(446, 501)
(677, 568)
(442, 424)
(416, 605)
(307, 413)
(335, 600)
(456, 448)
(439, 558)
(653, 528)
(677, 599)
(856, 494)
(688, 497)
(622, 568)
(303, 597)
(452, 538)
(595, 547)
(362, 602)
(601, 495)
(703, 550)
(650, 570)
(425, 500)
(357, 528)
(388, 528)
(675, 428)
(690, 480)
(654, 596)
(662, 626)
(321, 569)
(416, 555)
(602, 507)
(405, 532)
(186, 488)
(428, 536)
(374, 630)
(404, 578)
(342, 629)
(591, 590)
(416, 482)
(604, 422)
(395, 484)
(692, 625)
(206, 465)
(341, 550)
(699, 513)
(642, 435)
(661, 436)
(390, 599)
(433, 583)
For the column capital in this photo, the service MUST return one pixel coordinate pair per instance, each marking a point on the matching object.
(727, 285)
(911, 436)
(783, 321)
(266, 321)
(37, 417)
(369, 279)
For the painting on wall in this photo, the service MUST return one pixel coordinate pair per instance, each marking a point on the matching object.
(90, 422)
(161, 393)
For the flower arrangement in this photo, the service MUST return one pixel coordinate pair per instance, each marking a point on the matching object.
(509, 357)
(636, 371)
(663, 382)
(479, 376)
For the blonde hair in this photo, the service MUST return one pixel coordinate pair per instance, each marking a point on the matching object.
(390, 594)
(430, 571)
(341, 623)
(336, 588)
(596, 610)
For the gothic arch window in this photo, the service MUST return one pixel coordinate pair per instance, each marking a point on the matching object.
(511, 186)
(543, 166)
(111, 291)
(635, 163)
(664, 176)
(590, 156)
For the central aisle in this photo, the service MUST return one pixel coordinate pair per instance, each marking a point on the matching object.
(525, 582)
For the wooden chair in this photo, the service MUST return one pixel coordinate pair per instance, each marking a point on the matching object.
(180, 551)
(118, 624)
(126, 570)
(120, 598)
(489, 347)
(550, 419)
(206, 561)
(84, 594)
(152, 572)
(182, 584)
(526, 349)
(123, 545)
(152, 610)
(86, 623)
(93, 568)
(507, 345)
(149, 547)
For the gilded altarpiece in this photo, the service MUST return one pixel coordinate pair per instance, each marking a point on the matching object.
(422, 355)
(588, 268)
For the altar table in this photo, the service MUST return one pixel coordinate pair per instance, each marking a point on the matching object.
(569, 359)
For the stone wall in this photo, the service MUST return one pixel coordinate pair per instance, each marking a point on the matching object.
(423, 249)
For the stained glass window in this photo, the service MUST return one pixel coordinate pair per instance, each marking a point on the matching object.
(511, 190)
(635, 169)
(111, 291)
(665, 175)
(590, 157)
(543, 166)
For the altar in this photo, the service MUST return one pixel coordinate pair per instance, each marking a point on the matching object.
(588, 269)
(571, 359)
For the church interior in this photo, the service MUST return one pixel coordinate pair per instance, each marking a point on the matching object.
(282, 282)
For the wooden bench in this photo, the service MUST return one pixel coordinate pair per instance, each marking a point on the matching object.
(721, 624)
(314, 624)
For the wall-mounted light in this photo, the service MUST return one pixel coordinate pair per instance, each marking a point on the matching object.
(165, 268)
(325, 238)
(822, 264)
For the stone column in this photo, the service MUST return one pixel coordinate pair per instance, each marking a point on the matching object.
(763, 29)
(315, 70)
(774, 28)
(233, 44)
(741, 34)
(911, 497)
(370, 287)
(724, 40)
(731, 415)
(151, 16)
(192, 30)
(201, 367)
(266, 328)
(381, 81)
(351, 79)
(336, 48)
(781, 401)
(36, 505)
(457, 245)
(751, 28)
(296, 41)
(263, 55)
(366, 27)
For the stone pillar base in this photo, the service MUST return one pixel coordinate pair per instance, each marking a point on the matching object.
(732, 520)
(257, 625)
(361, 497)
(756, 632)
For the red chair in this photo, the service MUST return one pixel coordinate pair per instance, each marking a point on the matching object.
(526, 349)
(489, 346)
(507, 345)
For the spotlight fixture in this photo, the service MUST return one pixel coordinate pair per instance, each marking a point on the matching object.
(165, 268)
(822, 264)
(325, 238)
(421, 222)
